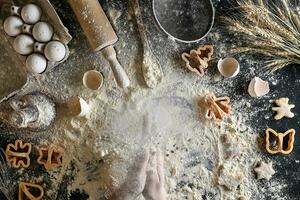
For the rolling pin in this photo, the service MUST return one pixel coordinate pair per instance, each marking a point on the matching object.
(100, 34)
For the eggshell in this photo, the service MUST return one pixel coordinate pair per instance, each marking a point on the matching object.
(55, 51)
(31, 13)
(42, 32)
(258, 87)
(92, 79)
(228, 67)
(78, 106)
(13, 25)
(36, 63)
(23, 44)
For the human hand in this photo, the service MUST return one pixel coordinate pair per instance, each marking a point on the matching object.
(154, 188)
(135, 180)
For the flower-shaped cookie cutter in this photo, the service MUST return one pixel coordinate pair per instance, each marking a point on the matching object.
(197, 60)
(215, 108)
(30, 191)
(18, 154)
(283, 143)
(50, 156)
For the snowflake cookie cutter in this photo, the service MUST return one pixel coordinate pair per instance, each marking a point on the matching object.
(197, 60)
(50, 156)
(30, 191)
(18, 154)
(215, 108)
(281, 145)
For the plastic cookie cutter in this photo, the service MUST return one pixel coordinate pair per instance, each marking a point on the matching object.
(205, 52)
(194, 63)
(30, 191)
(184, 20)
(18, 154)
(215, 108)
(197, 60)
(50, 157)
(280, 142)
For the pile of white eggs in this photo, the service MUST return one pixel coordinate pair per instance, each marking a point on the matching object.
(33, 37)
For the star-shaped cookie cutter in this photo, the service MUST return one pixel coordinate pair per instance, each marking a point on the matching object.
(197, 60)
(281, 146)
(18, 154)
(215, 108)
(30, 191)
(50, 156)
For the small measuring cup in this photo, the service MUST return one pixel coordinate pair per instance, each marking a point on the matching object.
(184, 20)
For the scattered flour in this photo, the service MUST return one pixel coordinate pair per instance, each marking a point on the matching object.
(100, 147)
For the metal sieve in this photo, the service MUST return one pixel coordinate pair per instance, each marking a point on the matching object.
(185, 20)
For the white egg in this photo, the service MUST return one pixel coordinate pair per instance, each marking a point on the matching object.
(23, 44)
(55, 51)
(31, 13)
(36, 63)
(42, 32)
(13, 25)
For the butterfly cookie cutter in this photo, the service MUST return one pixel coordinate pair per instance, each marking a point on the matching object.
(18, 154)
(30, 191)
(50, 156)
(215, 108)
(197, 60)
(280, 146)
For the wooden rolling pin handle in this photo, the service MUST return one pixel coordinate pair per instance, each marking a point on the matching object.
(120, 75)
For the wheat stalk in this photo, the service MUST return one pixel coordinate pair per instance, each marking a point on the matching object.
(269, 29)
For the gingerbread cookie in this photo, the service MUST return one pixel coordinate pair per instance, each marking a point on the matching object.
(283, 109)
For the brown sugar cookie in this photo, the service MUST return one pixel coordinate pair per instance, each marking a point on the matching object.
(50, 156)
(197, 60)
(215, 108)
(18, 154)
(30, 191)
(280, 142)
